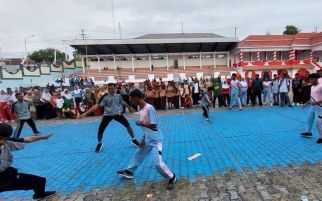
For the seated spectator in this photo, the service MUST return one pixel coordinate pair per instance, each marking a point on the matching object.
(187, 102)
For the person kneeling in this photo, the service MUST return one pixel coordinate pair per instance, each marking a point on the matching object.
(10, 178)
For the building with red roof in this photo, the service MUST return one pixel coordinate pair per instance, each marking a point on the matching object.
(273, 54)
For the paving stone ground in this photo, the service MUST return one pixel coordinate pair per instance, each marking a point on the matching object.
(256, 154)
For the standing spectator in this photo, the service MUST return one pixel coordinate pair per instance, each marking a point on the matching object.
(89, 98)
(243, 92)
(170, 93)
(195, 91)
(181, 90)
(29, 99)
(217, 93)
(275, 88)
(149, 94)
(225, 94)
(284, 89)
(39, 105)
(296, 88)
(306, 89)
(257, 90)
(46, 99)
(235, 92)
(21, 111)
(156, 96)
(124, 91)
(59, 106)
(163, 98)
(5, 113)
(176, 97)
(267, 91)
(78, 96)
(250, 94)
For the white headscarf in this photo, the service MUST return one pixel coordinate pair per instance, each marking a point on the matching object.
(67, 96)
(46, 96)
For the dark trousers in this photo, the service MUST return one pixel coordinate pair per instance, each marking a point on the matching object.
(257, 94)
(28, 182)
(20, 124)
(195, 98)
(205, 111)
(296, 96)
(250, 96)
(219, 100)
(106, 120)
(225, 99)
(156, 102)
(276, 98)
(40, 111)
(284, 99)
(127, 100)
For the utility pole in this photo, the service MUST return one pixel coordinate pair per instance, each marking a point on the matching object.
(235, 32)
(113, 17)
(120, 32)
(83, 34)
(181, 26)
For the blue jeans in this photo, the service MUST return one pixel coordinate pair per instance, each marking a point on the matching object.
(234, 98)
(267, 95)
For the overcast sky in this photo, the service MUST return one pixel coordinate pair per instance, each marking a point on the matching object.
(52, 21)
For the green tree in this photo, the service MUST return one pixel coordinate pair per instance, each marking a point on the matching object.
(46, 55)
(77, 56)
(291, 30)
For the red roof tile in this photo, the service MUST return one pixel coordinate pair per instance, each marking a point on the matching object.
(281, 40)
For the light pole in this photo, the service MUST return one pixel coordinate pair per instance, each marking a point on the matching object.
(26, 43)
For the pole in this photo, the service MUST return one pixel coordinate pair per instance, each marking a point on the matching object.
(26, 44)
(99, 64)
(120, 32)
(215, 64)
(132, 63)
(83, 65)
(150, 62)
(200, 63)
(167, 61)
(113, 17)
(184, 61)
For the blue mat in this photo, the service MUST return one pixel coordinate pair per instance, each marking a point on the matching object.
(253, 138)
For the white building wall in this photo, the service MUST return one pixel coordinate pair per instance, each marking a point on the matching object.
(144, 63)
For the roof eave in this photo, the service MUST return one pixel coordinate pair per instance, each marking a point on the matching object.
(147, 41)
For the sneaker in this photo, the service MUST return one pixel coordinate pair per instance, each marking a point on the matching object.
(135, 145)
(99, 147)
(37, 133)
(172, 182)
(306, 134)
(46, 195)
(290, 106)
(319, 141)
(125, 173)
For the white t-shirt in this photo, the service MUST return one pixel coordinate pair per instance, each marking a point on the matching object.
(59, 103)
(283, 85)
(4, 98)
(316, 93)
(196, 87)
